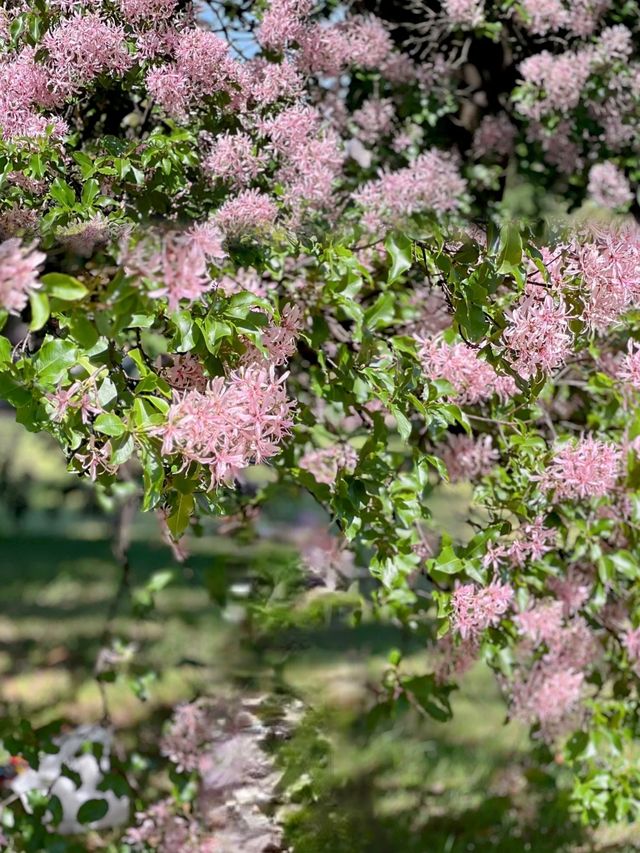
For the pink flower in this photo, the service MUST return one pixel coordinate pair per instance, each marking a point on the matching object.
(631, 642)
(186, 372)
(609, 267)
(324, 464)
(232, 159)
(146, 11)
(538, 337)
(82, 47)
(558, 80)
(473, 379)
(464, 13)
(573, 590)
(476, 608)
(629, 370)
(494, 138)
(282, 23)
(431, 182)
(589, 468)
(191, 729)
(232, 423)
(547, 697)
(608, 186)
(250, 211)
(18, 274)
(374, 119)
(467, 457)
(179, 267)
(542, 623)
(202, 68)
(455, 656)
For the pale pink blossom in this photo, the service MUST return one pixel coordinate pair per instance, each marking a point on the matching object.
(629, 370)
(325, 463)
(233, 159)
(251, 211)
(454, 657)
(609, 266)
(588, 468)
(464, 13)
(19, 266)
(542, 623)
(282, 23)
(608, 186)
(494, 137)
(177, 270)
(431, 182)
(476, 608)
(537, 336)
(82, 47)
(374, 119)
(468, 457)
(573, 590)
(473, 379)
(147, 11)
(235, 422)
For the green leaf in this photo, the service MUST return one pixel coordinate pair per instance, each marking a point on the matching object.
(54, 359)
(62, 193)
(40, 310)
(381, 313)
(92, 811)
(89, 191)
(179, 519)
(64, 287)
(83, 331)
(399, 247)
(446, 562)
(5, 351)
(109, 424)
(510, 248)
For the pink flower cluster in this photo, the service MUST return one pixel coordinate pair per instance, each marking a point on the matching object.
(82, 47)
(19, 266)
(468, 457)
(476, 608)
(146, 11)
(235, 422)
(202, 68)
(81, 396)
(629, 370)
(454, 657)
(177, 270)
(537, 336)
(556, 81)
(250, 212)
(587, 469)
(431, 182)
(549, 690)
(233, 159)
(531, 542)
(186, 372)
(464, 13)
(609, 267)
(473, 379)
(190, 728)
(324, 464)
(579, 17)
(494, 137)
(572, 590)
(631, 643)
(608, 186)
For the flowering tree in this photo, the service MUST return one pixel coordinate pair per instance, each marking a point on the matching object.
(235, 234)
